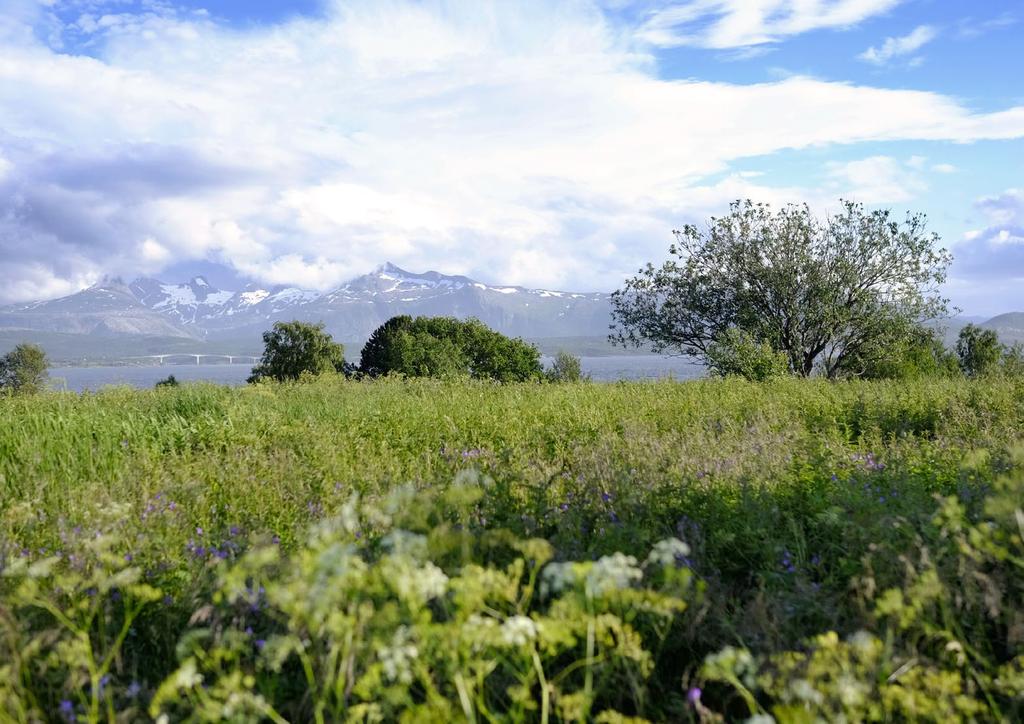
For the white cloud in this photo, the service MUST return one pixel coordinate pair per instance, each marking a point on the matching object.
(988, 263)
(877, 180)
(741, 23)
(525, 144)
(900, 46)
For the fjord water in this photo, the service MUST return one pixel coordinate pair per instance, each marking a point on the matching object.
(601, 369)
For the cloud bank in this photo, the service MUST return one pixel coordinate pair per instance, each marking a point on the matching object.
(531, 144)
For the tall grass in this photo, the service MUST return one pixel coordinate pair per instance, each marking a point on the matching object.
(801, 504)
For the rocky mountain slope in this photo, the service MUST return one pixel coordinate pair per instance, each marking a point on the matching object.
(197, 310)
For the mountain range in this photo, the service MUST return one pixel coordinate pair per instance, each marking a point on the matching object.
(197, 311)
(115, 320)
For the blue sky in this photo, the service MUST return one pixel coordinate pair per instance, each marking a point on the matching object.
(543, 143)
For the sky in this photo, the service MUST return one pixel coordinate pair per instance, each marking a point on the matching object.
(536, 142)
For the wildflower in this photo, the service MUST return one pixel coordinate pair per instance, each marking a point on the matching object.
(518, 630)
(133, 690)
(693, 696)
(430, 582)
(613, 572)
(557, 577)
(67, 709)
(396, 659)
(668, 552)
(803, 689)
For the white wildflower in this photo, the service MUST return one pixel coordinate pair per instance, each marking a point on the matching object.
(863, 642)
(396, 659)
(613, 572)
(421, 584)
(803, 690)
(518, 630)
(186, 677)
(404, 543)
(851, 692)
(667, 553)
(479, 630)
(557, 577)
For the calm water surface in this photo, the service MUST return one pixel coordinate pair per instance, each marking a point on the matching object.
(602, 369)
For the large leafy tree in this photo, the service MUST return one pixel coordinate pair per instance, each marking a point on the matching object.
(832, 294)
(447, 347)
(23, 370)
(292, 348)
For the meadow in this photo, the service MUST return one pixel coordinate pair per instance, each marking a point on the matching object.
(423, 550)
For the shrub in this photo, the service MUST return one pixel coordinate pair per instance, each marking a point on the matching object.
(979, 350)
(737, 352)
(23, 370)
(565, 368)
(448, 347)
(293, 348)
(919, 354)
(168, 381)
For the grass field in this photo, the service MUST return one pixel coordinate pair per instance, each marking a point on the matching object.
(336, 551)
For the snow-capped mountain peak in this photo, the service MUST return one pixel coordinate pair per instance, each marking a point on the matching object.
(351, 311)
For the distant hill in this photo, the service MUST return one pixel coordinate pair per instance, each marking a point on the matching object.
(1009, 326)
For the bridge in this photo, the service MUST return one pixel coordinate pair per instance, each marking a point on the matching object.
(161, 358)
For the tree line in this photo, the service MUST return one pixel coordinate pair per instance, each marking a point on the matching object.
(441, 347)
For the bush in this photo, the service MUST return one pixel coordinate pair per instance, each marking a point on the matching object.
(447, 347)
(565, 368)
(292, 349)
(169, 381)
(979, 350)
(1013, 360)
(23, 370)
(919, 354)
(736, 352)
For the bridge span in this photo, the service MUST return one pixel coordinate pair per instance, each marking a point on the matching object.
(161, 358)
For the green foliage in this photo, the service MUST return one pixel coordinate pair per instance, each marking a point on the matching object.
(169, 381)
(457, 549)
(918, 355)
(23, 370)
(1013, 360)
(292, 349)
(979, 350)
(934, 657)
(445, 347)
(390, 610)
(832, 295)
(565, 368)
(737, 352)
